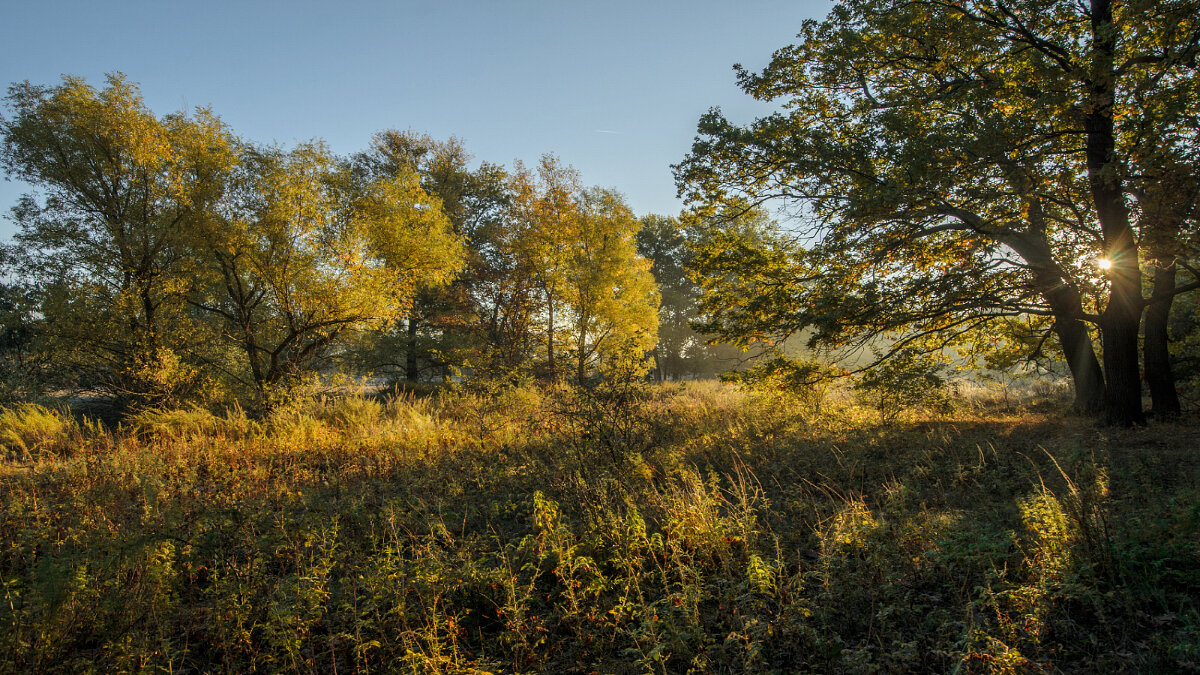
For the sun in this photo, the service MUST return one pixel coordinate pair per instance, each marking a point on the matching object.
(1103, 263)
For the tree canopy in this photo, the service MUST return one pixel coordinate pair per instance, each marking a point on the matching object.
(961, 164)
(165, 260)
(141, 222)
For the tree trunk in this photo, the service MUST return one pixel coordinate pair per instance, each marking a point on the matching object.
(1067, 307)
(581, 353)
(1164, 399)
(1086, 374)
(411, 373)
(1119, 330)
(550, 336)
(1121, 318)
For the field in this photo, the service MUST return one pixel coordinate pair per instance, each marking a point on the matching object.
(661, 529)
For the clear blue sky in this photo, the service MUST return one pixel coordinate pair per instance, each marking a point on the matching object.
(613, 88)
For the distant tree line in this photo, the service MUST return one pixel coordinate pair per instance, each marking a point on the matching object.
(164, 260)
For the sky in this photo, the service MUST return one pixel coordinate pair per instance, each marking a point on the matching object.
(613, 88)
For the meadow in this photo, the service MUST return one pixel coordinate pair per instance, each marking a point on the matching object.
(626, 529)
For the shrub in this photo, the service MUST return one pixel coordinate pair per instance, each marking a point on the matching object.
(905, 380)
(809, 380)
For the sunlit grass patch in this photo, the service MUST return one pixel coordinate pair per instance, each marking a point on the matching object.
(189, 424)
(29, 430)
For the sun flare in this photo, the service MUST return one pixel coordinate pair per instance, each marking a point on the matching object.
(1103, 263)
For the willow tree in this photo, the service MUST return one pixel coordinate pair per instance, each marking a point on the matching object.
(299, 254)
(102, 235)
(965, 162)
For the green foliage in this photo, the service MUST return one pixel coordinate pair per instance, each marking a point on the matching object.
(905, 380)
(23, 368)
(745, 274)
(956, 165)
(672, 246)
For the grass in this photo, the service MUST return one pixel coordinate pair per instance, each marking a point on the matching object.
(665, 529)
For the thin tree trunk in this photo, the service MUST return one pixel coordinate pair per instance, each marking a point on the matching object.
(411, 373)
(1164, 399)
(550, 336)
(581, 358)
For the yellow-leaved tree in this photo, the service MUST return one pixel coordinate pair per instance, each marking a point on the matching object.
(101, 237)
(579, 244)
(612, 297)
(545, 221)
(301, 253)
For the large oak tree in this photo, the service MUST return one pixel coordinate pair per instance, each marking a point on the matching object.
(965, 162)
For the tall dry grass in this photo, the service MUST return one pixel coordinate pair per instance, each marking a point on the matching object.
(696, 528)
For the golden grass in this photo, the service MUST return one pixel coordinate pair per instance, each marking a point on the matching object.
(666, 529)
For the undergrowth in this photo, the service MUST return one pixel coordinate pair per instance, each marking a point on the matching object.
(664, 529)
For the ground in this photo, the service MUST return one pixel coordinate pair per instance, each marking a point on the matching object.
(667, 529)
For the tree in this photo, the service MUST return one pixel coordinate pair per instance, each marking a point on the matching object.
(158, 245)
(21, 364)
(965, 163)
(547, 221)
(661, 240)
(606, 286)
(103, 236)
(455, 317)
(745, 279)
(675, 249)
(300, 254)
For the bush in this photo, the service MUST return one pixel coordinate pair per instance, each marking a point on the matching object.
(905, 380)
(809, 380)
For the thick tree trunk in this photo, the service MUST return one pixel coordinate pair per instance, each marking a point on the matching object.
(1067, 307)
(1119, 331)
(1086, 373)
(411, 372)
(1164, 399)
(1120, 320)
